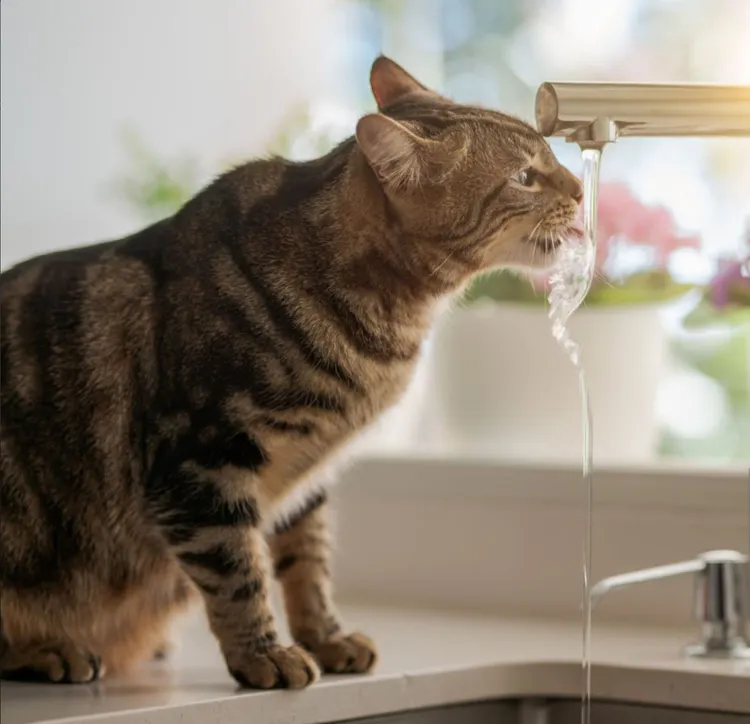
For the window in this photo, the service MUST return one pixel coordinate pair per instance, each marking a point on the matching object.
(83, 144)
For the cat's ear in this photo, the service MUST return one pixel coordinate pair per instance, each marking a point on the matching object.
(390, 82)
(393, 152)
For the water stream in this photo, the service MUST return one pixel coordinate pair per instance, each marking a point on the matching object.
(569, 284)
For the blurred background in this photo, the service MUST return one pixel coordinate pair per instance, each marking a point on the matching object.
(113, 113)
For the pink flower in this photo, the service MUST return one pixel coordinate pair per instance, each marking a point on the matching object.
(622, 216)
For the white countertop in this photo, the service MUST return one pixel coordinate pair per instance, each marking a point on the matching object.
(427, 659)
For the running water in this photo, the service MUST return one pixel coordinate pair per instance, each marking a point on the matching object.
(569, 284)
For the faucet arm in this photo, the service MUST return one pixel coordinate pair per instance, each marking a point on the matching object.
(601, 112)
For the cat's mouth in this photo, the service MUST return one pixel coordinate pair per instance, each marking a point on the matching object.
(552, 240)
(550, 245)
(548, 241)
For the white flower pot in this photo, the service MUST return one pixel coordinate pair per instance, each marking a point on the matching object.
(506, 388)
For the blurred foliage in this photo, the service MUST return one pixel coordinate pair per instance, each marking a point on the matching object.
(716, 343)
(651, 287)
(303, 134)
(725, 359)
(154, 188)
(706, 315)
(296, 123)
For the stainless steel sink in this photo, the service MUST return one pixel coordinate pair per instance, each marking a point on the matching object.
(569, 712)
(555, 711)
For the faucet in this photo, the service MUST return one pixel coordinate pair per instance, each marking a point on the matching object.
(721, 600)
(593, 115)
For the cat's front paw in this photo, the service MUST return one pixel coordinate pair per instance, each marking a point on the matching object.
(345, 654)
(277, 668)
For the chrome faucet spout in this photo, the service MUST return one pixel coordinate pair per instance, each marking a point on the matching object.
(599, 113)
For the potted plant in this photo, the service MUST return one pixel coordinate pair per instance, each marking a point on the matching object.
(506, 388)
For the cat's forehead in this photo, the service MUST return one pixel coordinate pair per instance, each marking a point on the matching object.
(514, 135)
(480, 125)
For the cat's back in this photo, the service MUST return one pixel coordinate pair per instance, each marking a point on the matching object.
(74, 326)
(71, 275)
(65, 299)
(40, 307)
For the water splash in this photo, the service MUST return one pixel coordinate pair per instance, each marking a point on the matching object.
(574, 272)
(569, 284)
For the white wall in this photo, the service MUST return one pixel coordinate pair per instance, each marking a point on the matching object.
(205, 77)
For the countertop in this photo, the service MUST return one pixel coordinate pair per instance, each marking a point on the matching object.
(428, 659)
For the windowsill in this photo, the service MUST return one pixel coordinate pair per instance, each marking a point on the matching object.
(431, 451)
(431, 471)
(490, 535)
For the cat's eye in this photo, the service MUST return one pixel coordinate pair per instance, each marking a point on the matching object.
(527, 177)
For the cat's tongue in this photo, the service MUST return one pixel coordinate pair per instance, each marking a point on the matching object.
(576, 230)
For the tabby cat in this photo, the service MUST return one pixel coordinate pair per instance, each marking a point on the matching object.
(171, 400)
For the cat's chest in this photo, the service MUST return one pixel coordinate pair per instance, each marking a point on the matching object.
(299, 462)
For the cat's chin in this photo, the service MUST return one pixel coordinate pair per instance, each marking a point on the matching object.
(540, 256)
(545, 246)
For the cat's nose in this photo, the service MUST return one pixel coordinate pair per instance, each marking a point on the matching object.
(568, 184)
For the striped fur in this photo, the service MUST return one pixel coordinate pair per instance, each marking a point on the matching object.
(165, 396)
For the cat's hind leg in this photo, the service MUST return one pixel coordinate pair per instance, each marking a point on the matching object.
(42, 658)
(88, 630)
(59, 663)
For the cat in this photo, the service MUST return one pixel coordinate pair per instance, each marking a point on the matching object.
(170, 400)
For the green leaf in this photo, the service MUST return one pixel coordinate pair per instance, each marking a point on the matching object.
(726, 359)
(705, 315)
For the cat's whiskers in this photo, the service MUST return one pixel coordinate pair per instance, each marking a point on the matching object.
(533, 252)
(534, 230)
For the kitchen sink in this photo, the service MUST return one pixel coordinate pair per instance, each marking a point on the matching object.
(555, 711)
